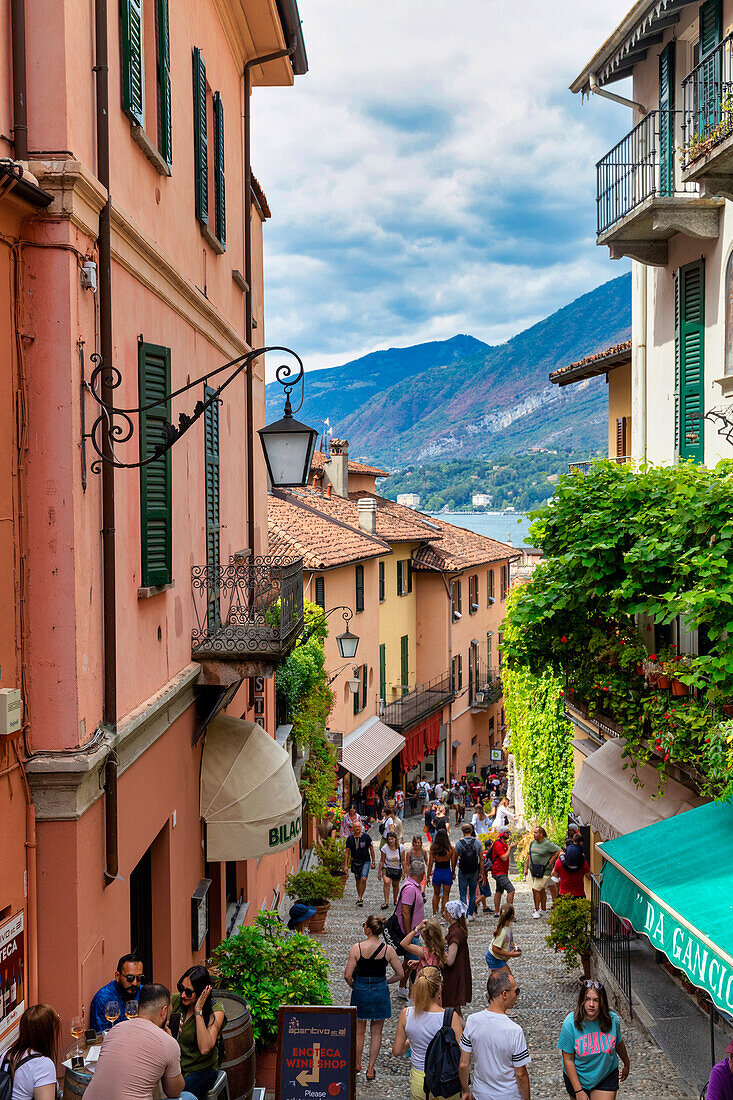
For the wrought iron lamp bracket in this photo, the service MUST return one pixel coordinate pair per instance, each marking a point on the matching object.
(115, 425)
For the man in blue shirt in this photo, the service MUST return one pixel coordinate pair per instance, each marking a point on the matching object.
(124, 989)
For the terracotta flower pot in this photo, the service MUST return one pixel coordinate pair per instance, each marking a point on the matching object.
(678, 688)
(318, 920)
(728, 709)
(265, 1068)
(663, 681)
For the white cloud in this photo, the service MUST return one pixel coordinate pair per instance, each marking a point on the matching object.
(431, 174)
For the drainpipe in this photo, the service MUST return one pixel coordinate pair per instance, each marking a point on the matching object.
(250, 427)
(20, 107)
(597, 90)
(109, 619)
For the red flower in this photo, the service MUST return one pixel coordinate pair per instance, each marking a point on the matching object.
(563, 639)
(652, 656)
(666, 756)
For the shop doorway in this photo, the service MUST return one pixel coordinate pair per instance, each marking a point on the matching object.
(141, 913)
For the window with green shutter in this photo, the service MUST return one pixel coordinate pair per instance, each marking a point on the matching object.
(689, 360)
(200, 145)
(154, 381)
(219, 202)
(382, 584)
(490, 590)
(359, 570)
(709, 81)
(408, 563)
(364, 685)
(321, 592)
(400, 578)
(405, 663)
(165, 131)
(211, 478)
(383, 673)
(666, 119)
(133, 80)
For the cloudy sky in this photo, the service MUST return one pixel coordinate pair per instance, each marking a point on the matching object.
(432, 174)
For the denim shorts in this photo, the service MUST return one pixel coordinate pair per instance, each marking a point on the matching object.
(361, 870)
(608, 1084)
(442, 876)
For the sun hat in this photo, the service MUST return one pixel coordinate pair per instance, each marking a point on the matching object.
(299, 913)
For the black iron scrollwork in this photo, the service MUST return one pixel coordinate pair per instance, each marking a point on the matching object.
(721, 417)
(115, 425)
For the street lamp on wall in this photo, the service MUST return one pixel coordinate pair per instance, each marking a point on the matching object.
(288, 445)
(355, 684)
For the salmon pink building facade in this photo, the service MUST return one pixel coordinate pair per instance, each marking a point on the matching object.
(135, 246)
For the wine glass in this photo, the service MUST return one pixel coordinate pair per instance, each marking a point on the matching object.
(112, 1012)
(77, 1029)
(131, 1010)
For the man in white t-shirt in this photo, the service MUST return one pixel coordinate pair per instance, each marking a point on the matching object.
(498, 1046)
(439, 788)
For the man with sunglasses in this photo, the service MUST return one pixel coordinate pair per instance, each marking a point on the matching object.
(497, 1045)
(123, 989)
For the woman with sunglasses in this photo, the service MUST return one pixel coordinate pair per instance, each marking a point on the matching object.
(591, 1045)
(198, 1032)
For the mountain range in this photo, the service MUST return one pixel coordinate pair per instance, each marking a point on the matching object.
(464, 399)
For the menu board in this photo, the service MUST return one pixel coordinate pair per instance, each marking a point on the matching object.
(12, 978)
(316, 1053)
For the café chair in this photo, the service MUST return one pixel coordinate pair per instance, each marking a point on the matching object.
(220, 1089)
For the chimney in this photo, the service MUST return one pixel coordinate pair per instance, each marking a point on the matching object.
(368, 515)
(336, 470)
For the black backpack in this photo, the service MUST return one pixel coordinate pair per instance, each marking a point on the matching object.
(467, 856)
(442, 1059)
(451, 798)
(6, 1077)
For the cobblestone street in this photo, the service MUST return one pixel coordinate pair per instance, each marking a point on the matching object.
(547, 994)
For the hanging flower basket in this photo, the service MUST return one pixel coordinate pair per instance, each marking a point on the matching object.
(678, 688)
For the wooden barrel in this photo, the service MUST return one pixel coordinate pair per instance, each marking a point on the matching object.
(75, 1082)
(239, 1045)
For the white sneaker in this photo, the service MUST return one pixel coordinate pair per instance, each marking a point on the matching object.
(536, 914)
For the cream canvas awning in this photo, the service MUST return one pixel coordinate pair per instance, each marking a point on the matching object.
(369, 748)
(250, 799)
(610, 802)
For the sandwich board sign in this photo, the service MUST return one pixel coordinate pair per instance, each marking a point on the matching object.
(316, 1053)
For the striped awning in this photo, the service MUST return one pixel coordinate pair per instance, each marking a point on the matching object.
(369, 747)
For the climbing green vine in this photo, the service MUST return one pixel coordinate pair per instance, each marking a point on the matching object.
(540, 741)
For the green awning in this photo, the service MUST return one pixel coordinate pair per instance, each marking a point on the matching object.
(673, 881)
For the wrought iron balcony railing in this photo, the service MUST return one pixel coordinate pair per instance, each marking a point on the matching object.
(419, 703)
(248, 610)
(584, 467)
(707, 103)
(487, 689)
(641, 166)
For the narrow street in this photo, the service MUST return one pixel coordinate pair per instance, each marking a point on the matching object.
(548, 994)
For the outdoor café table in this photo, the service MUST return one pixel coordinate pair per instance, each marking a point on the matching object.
(76, 1079)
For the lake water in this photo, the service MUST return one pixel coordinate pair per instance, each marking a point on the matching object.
(502, 526)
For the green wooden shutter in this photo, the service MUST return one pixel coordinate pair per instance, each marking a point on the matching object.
(321, 592)
(131, 33)
(409, 574)
(399, 578)
(405, 663)
(460, 671)
(359, 587)
(666, 119)
(470, 676)
(460, 597)
(221, 220)
(383, 672)
(165, 139)
(690, 360)
(364, 685)
(200, 147)
(357, 695)
(710, 92)
(382, 592)
(154, 381)
(211, 477)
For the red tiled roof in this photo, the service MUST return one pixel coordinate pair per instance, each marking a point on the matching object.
(259, 195)
(299, 527)
(599, 363)
(354, 467)
(460, 549)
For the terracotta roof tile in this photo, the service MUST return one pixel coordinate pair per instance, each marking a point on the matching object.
(259, 195)
(460, 549)
(354, 467)
(299, 527)
(591, 365)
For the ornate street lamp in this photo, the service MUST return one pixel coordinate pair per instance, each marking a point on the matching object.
(354, 684)
(288, 444)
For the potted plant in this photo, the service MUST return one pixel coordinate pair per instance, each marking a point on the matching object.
(569, 924)
(316, 887)
(269, 967)
(331, 855)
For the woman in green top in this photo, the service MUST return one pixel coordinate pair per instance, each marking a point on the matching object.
(198, 1033)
